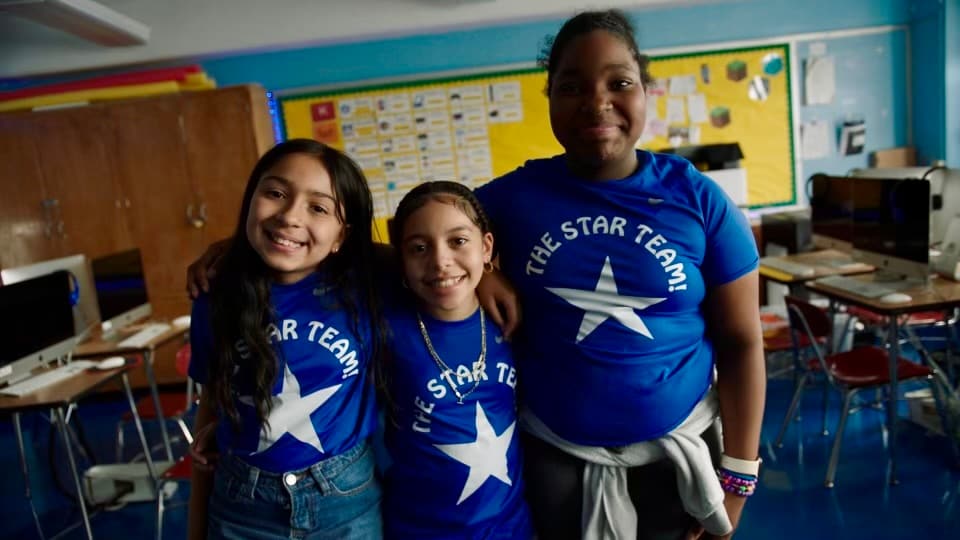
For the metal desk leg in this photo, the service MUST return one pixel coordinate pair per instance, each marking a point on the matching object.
(155, 394)
(894, 352)
(26, 472)
(140, 433)
(62, 427)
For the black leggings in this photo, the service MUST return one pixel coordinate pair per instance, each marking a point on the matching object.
(555, 493)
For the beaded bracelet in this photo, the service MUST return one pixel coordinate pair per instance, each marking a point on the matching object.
(739, 484)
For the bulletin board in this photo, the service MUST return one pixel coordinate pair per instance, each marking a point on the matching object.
(475, 128)
(726, 96)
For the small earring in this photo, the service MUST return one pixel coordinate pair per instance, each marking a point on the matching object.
(487, 267)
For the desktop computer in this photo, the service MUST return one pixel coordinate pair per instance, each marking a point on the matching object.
(121, 290)
(831, 211)
(36, 324)
(891, 227)
(86, 312)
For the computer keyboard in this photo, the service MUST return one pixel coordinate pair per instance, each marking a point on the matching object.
(46, 378)
(866, 289)
(792, 268)
(144, 336)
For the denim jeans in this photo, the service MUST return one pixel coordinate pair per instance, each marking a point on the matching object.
(337, 498)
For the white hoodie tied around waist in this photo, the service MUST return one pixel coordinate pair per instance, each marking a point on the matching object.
(608, 513)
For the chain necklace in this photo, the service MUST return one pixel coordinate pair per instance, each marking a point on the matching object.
(479, 367)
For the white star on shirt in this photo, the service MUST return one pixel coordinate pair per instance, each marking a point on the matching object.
(291, 413)
(486, 456)
(604, 302)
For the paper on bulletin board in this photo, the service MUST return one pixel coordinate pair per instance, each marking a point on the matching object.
(464, 129)
(714, 103)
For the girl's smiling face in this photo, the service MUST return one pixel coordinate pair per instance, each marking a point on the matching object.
(598, 105)
(293, 222)
(444, 253)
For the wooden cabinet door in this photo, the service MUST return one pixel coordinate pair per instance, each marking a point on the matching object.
(26, 216)
(153, 172)
(76, 162)
(220, 129)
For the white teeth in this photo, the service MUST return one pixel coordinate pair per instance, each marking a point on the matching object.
(284, 241)
(444, 283)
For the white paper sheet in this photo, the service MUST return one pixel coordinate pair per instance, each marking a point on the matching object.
(819, 83)
(815, 139)
(697, 108)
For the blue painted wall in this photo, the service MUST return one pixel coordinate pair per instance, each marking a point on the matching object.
(515, 43)
(871, 84)
(928, 81)
(952, 47)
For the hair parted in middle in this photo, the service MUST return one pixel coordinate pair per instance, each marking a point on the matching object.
(443, 191)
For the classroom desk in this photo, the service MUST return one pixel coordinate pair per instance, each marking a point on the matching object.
(824, 263)
(97, 346)
(938, 295)
(58, 398)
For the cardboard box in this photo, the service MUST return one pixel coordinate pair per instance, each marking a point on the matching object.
(904, 156)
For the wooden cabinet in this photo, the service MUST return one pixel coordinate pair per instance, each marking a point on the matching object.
(164, 174)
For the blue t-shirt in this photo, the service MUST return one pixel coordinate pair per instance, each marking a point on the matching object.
(612, 275)
(456, 467)
(324, 399)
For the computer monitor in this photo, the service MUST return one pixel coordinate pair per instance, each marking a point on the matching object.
(831, 211)
(121, 289)
(86, 313)
(943, 181)
(891, 226)
(36, 324)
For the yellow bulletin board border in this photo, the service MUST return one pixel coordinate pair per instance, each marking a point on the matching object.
(542, 144)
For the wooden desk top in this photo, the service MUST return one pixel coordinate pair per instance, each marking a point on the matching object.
(939, 293)
(96, 346)
(64, 392)
(826, 262)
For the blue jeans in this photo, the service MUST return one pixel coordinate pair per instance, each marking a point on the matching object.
(337, 498)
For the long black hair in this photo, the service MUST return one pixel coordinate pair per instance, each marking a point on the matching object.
(613, 21)
(240, 301)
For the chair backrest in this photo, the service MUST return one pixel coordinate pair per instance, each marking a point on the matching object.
(810, 321)
(815, 319)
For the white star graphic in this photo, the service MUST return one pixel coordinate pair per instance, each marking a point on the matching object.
(486, 456)
(291, 413)
(604, 302)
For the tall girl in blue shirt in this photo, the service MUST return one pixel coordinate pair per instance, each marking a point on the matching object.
(450, 381)
(282, 344)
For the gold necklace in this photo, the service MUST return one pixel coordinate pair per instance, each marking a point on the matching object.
(445, 372)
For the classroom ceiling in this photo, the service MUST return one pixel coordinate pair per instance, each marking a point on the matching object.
(203, 28)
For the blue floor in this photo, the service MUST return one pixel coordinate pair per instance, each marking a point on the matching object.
(790, 503)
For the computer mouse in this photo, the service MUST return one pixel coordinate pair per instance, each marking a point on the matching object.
(181, 321)
(896, 298)
(110, 363)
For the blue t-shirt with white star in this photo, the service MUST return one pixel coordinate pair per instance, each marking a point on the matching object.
(324, 399)
(612, 276)
(456, 467)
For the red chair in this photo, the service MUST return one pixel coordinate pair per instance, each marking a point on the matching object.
(180, 471)
(861, 368)
(173, 405)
